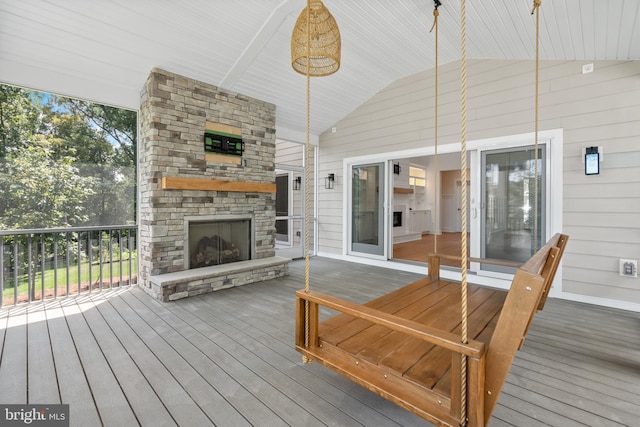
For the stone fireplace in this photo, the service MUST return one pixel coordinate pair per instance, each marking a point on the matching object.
(215, 209)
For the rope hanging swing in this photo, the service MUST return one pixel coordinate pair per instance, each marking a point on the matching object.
(315, 52)
(463, 171)
(476, 371)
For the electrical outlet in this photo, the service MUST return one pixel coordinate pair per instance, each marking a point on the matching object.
(629, 267)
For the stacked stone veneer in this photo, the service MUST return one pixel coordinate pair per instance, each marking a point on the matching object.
(173, 113)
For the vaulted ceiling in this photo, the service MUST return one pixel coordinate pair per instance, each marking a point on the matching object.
(103, 50)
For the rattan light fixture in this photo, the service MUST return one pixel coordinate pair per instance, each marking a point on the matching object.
(317, 36)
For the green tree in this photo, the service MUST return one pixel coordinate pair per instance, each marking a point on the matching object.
(42, 191)
(19, 117)
(119, 125)
(110, 158)
(99, 141)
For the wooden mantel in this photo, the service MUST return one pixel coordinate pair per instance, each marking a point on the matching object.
(177, 183)
(402, 190)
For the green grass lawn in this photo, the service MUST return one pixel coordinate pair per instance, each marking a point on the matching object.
(51, 276)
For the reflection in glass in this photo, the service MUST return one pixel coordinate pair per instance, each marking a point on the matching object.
(509, 194)
(367, 225)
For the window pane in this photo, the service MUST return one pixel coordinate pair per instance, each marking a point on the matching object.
(509, 181)
(417, 172)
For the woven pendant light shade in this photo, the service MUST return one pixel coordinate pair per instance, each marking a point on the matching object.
(325, 42)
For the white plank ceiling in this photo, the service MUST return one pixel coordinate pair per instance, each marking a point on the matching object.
(103, 50)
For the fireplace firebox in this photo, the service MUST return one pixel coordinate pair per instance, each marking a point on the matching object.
(216, 240)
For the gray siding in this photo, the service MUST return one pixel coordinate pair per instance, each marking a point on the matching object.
(601, 213)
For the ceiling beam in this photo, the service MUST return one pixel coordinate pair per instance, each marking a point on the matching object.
(259, 41)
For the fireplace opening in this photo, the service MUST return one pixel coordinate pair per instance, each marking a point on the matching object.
(218, 241)
(397, 219)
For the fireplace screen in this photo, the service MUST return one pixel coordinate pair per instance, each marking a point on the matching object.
(219, 242)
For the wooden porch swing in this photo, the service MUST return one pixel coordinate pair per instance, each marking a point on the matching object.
(438, 348)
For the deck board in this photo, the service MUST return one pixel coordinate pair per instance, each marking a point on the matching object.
(140, 394)
(251, 354)
(183, 359)
(111, 402)
(42, 380)
(71, 380)
(214, 363)
(13, 365)
(167, 387)
(120, 357)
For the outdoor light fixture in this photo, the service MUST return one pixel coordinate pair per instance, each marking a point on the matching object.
(297, 183)
(315, 36)
(591, 161)
(328, 181)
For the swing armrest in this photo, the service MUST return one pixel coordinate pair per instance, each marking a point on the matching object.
(447, 340)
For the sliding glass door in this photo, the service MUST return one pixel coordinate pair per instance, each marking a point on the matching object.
(508, 208)
(367, 209)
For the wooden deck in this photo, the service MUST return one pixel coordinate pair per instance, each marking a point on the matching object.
(227, 358)
(419, 250)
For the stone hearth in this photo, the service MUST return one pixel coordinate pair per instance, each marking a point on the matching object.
(178, 180)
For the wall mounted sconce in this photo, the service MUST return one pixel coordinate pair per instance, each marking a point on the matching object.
(328, 181)
(591, 161)
(297, 183)
(396, 168)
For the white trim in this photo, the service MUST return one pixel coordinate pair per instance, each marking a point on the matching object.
(604, 302)
(347, 209)
(553, 140)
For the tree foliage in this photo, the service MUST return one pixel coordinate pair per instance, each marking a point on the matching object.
(43, 192)
(19, 117)
(65, 162)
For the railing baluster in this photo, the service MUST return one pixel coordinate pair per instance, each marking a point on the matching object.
(78, 258)
(130, 240)
(90, 251)
(100, 254)
(110, 260)
(30, 287)
(42, 262)
(120, 249)
(55, 265)
(66, 236)
(15, 269)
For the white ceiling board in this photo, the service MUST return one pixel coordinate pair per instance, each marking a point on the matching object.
(103, 50)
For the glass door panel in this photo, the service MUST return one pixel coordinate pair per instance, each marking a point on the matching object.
(367, 209)
(289, 212)
(508, 194)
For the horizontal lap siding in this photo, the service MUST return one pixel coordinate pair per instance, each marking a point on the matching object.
(600, 213)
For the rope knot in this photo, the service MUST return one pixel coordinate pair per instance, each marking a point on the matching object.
(435, 19)
(536, 5)
(436, 4)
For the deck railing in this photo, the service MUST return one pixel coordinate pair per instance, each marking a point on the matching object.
(39, 264)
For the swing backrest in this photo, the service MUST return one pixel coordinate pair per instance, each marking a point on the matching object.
(527, 294)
